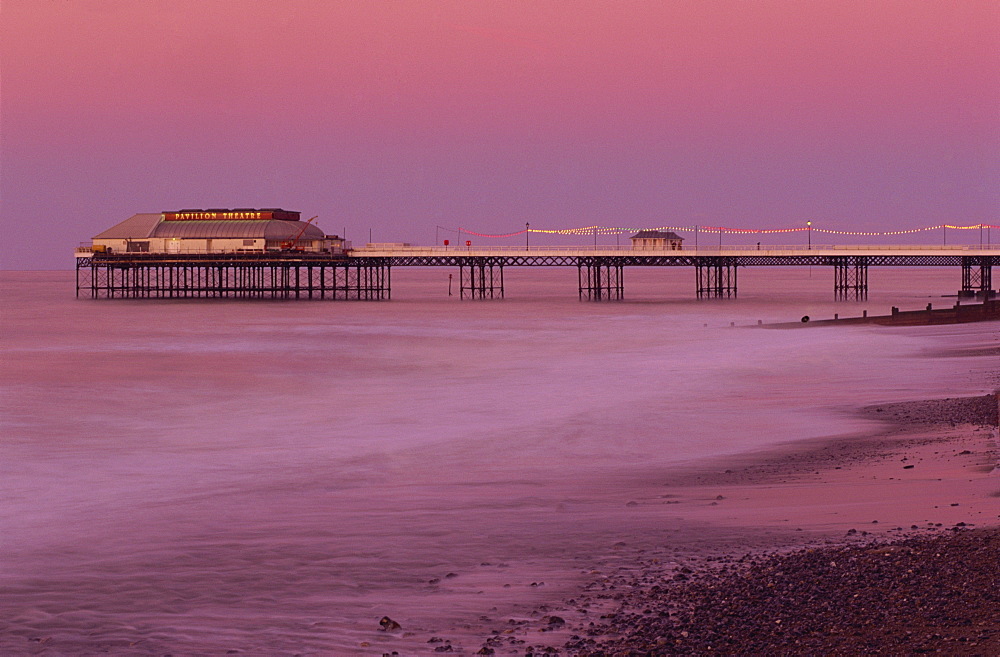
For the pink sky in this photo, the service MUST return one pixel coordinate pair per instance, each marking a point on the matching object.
(402, 116)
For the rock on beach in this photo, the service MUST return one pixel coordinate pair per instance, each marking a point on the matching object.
(928, 594)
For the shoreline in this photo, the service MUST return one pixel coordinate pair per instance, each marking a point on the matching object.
(987, 310)
(929, 476)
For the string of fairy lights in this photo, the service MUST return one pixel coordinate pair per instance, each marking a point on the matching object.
(619, 230)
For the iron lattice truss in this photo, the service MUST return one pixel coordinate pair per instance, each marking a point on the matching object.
(850, 278)
(977, 274)
(600, 279)
(481, 278)
(241, 277)
(716, 277)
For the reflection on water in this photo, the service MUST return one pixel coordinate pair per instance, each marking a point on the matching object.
(272, 476)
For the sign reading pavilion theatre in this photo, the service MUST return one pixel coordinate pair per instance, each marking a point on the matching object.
(231, 215)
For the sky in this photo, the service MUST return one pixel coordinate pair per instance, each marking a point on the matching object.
(405, 120)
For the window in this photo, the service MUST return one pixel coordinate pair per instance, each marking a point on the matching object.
(248, 242)
(137, 247)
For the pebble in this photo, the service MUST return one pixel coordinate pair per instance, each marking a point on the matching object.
(840, 600)
(389, 625)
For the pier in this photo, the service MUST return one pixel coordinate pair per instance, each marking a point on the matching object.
(365, 273)
(601, 269)
(233, 276)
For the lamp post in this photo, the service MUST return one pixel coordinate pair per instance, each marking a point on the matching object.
(809, 233)
(527, 232)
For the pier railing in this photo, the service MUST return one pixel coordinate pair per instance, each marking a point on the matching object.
(602, 249)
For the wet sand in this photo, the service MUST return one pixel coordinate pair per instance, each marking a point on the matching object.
(877, 544)
(716, 553)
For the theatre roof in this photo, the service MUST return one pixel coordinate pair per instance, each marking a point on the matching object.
(146, 225)
(271, 229)
(137, 226)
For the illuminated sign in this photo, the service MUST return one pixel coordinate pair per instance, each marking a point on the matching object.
(231, 215)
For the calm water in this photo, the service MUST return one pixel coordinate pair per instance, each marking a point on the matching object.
(192, 477)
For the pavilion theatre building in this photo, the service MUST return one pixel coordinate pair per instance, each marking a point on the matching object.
(243, 253)
(240, 230)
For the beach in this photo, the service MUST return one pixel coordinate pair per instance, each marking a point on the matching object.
(922, 594)
(891, 547)
(280, 478)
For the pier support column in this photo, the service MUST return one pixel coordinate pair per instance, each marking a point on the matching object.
(480, 278)
(850, 278)
(977, 276)
(85, 276)
(369, 280)
(225, 276)
(600, 279)
(716, 277)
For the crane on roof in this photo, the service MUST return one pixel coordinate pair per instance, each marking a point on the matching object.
(289, 245)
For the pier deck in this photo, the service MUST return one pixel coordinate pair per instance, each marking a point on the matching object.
(364, 274)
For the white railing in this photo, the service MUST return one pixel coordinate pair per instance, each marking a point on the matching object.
(747, 249)
(600, 248)
(459, 250)
(90, 249)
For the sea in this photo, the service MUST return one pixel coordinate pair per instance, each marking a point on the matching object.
(207, 477)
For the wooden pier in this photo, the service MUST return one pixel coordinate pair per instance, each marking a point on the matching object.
(365, 274)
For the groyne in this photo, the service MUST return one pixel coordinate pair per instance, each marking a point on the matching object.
(959, 313)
